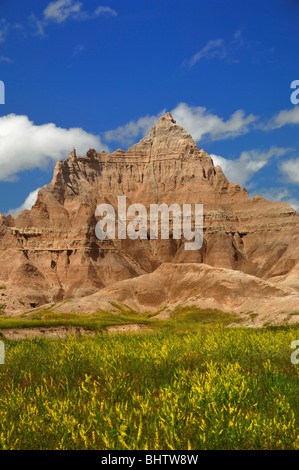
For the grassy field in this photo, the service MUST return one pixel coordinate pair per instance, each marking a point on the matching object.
(188, 385)
(181, 319)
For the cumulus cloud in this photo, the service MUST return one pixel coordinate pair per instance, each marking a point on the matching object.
(27, 204)
(242, 169)
(24, 145)
(198, 121)
(283, 118)
(290, 168)
(128, 133)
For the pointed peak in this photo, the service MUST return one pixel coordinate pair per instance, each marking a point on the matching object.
(166, 121)
(167, 117)
(72, 155)
(166, 130)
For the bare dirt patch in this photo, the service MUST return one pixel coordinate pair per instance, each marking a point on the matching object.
(127, 329)
(49, 332)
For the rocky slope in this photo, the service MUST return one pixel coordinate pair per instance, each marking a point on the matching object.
(51, 253)
(195, 285)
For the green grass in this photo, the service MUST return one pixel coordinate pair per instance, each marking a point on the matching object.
(97, 322)
(211, 388)
(182, 319)
(197, 315)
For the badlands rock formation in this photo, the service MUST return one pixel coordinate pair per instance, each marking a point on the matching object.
(51, 253)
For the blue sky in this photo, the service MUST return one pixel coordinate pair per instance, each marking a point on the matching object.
(99, 74)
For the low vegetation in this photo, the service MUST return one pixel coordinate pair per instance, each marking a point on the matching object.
(182, 319)
(211, 387)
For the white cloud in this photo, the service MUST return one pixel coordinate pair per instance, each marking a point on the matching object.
(27, 204)
(219, 49)
(61, 10)
(283, 118)
(250, 162)
(196, 120)
(128, 133)
(3, 58)
(24, 146)
(290, 168)
(4, 28)
(107, 11)
(213, 49)
(38, 25)
(200, 122)
(79, 48)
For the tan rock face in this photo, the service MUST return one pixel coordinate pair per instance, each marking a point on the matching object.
(51, 252)
(195, 285)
